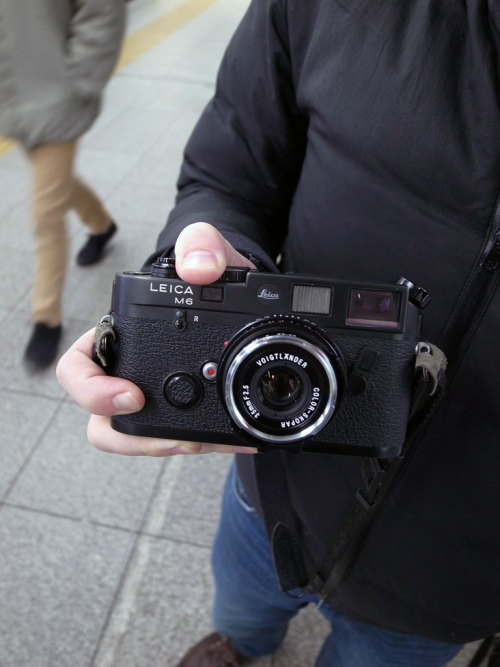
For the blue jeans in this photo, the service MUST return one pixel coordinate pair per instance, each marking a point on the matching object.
(250, 608)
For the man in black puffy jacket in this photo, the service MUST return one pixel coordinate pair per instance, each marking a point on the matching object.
(358, 140)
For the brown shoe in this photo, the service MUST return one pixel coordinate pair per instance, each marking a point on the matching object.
(212, 651)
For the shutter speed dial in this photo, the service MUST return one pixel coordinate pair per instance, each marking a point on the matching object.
(234, 275)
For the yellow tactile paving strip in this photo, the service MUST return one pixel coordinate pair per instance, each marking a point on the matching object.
(143, 39)
(5, 145)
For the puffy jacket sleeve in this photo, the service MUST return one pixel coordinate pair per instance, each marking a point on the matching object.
(244, 156)
(94, 44)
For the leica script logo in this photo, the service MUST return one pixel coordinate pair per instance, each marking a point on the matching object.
(268, 295)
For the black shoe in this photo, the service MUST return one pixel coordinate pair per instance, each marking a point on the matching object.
(42, 346)
(92, 251)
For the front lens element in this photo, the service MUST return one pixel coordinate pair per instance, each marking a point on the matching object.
(280, 388)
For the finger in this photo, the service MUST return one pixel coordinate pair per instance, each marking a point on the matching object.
(202, 254)
(102, 436)
(89, 385)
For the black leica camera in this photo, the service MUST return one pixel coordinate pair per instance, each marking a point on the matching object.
(259, 359)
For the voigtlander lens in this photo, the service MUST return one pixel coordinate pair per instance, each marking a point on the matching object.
(281, 379)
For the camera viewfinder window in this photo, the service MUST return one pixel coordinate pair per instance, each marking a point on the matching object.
(212, 293)
(374, 308)
(312, 299)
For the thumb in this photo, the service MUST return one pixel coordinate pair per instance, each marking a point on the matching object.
(202, 254)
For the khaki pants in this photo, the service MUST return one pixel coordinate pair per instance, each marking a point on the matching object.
(56, 190)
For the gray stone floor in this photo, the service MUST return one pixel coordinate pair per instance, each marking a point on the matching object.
(104, 560)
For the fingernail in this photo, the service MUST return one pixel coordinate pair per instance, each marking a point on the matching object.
(200, 259)
(126, 403)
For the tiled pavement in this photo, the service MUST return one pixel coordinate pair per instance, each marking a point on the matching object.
(104, 560)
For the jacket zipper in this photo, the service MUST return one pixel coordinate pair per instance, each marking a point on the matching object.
(474, 301)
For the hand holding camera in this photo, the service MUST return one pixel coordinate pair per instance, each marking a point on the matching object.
(263, 360)
(104, 396)
(330, 370)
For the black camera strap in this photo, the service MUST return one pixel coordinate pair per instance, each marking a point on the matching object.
(378, 476)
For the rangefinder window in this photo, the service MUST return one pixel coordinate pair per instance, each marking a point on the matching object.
(311, 299)
(374, 308)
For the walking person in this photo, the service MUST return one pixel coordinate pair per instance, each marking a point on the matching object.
(56, 57)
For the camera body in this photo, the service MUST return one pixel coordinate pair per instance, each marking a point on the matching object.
(266, 360)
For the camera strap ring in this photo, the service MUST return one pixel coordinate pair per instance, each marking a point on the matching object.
(104, 336)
